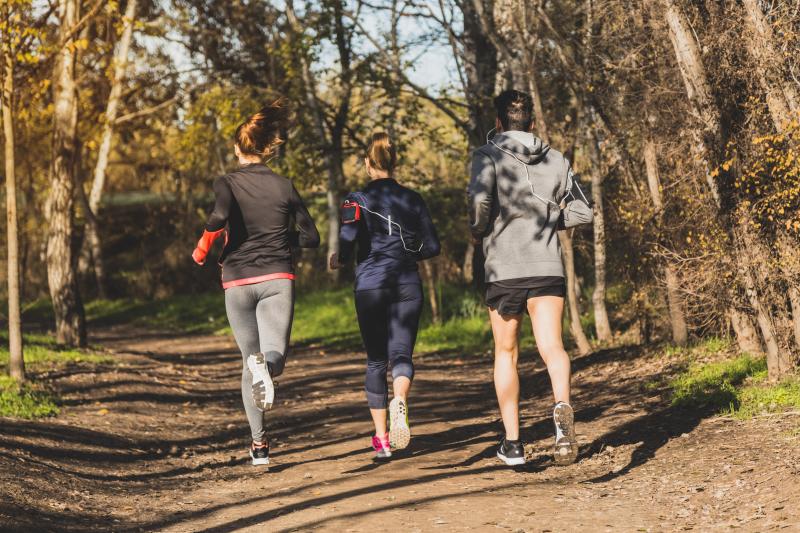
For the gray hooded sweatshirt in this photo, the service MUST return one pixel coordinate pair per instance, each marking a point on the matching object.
(514, 215)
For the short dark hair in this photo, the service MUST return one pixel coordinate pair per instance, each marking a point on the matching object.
(515, 110)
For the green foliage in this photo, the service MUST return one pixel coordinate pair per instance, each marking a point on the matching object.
(715, 384)
(25, 400)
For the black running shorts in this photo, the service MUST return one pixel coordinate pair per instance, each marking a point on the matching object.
(510, 297)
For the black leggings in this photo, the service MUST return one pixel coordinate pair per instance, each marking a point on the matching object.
(388, 319)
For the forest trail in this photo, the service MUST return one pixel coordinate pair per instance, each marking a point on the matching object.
(157, 442)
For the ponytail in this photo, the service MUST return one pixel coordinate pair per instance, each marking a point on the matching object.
(260, 134)
(382, 154)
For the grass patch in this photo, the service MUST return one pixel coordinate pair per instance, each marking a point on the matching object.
(759, 398)
(457, 334)
(26, 400)
(42, 351)
(201, 313)
(737, 386)
(715, 384)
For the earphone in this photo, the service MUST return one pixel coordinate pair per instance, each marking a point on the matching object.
(527, 173)
(357, 207)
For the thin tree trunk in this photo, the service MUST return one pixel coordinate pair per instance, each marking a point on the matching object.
(67, 304)
(430, 285)
(677, 314)
(16, 362)
(572, 298)
(601, 323)
(120, 60)
(466, 268)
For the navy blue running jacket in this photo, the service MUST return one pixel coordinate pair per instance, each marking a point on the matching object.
(388, 251)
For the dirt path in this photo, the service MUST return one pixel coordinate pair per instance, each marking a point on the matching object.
(158, 442)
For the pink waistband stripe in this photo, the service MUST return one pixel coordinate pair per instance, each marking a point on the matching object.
(257, 279)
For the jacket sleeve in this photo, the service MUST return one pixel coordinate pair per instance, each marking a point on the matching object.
(348, 233)
(428, 236)
(215, 225)
(578, 209)
(305, 235)
(481, 192)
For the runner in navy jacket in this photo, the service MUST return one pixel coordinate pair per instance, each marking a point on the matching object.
(391, 228)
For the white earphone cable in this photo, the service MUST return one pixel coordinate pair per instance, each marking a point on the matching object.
(391, 223)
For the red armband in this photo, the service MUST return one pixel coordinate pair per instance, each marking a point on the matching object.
(204, 245)
(351, 212)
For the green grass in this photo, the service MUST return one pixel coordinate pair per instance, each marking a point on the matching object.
(714, 384)
(27, 400)
(736, 386)
(41, 352)
(759, 398)
(203, 313)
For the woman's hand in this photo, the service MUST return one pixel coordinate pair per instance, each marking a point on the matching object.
(333, 261)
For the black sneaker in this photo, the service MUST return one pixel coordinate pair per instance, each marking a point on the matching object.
(511, 452)
(259, 453)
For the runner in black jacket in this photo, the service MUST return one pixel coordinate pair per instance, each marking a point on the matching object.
(393, 230)
(257, 211)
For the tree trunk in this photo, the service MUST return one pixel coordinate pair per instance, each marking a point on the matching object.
(16, 363)
(92, 238)
(572, 297)
(430, 285)
(466, 268)
(601, 324)
(480, 64)
(746, 335)
(67, 304)
(677, 314)
(781, 96)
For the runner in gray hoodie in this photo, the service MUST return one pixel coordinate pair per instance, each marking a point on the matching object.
(517, 188)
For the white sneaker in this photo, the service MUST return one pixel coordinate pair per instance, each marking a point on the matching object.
(399, 430)
(263, 387)
(565, 450)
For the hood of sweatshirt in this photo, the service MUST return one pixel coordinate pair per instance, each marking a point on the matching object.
(529, 148)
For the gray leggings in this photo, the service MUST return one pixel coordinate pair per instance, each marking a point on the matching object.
(260, 316)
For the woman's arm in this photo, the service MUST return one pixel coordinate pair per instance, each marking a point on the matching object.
(306, 235)
(215, 225)
(348, 233)
(428, 236)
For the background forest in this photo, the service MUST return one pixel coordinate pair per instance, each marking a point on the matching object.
(681, 116)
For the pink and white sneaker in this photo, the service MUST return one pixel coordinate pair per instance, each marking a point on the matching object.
(382, 448)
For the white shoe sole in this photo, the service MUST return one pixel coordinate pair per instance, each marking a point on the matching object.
(511, 461)
(259, 462)
(566, 451)
(258, 368)
(399, 432)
